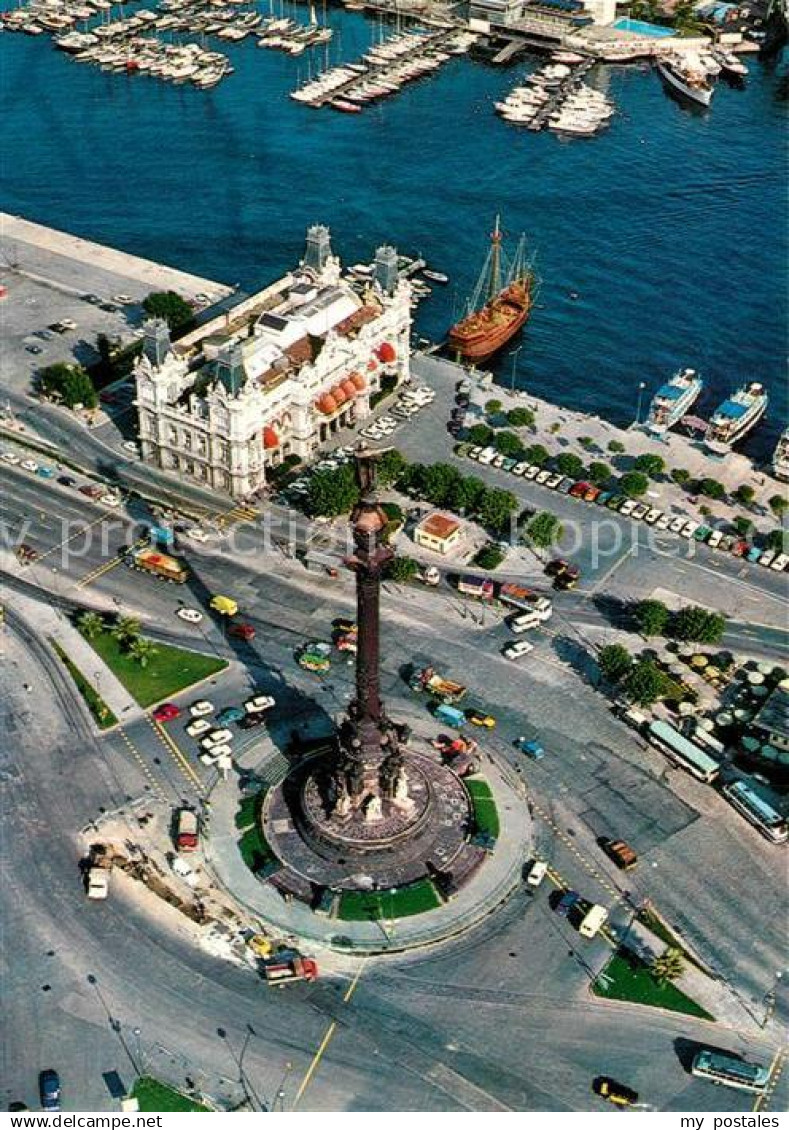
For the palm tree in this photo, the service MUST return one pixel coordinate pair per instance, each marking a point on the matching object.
(142, 650)
(126, 629)
(91, 624)
(668, 966)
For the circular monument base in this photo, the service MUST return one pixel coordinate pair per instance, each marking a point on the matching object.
(318, 848)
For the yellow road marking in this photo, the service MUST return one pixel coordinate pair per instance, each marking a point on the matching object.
(325, 1041)
(138, 758)
(172, 748)
(100, 570)
(568, 843)
(773, 1075)
(80, 533)
(237, 514)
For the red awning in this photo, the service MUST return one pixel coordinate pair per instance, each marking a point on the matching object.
(338, 393)
(358, 380)
(270, 438)
(386, 353)
(327, 404)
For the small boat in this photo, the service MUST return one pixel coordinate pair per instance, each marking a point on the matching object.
(731, 64)
(686, 78)
(673, 400)
(736, 417)
(435, 276)
(345, 107)
(781, 457)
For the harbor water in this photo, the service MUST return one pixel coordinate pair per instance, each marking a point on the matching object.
(660, 243)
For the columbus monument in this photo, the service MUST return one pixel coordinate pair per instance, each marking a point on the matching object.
(365, 811)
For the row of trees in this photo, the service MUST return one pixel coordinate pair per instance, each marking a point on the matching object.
(335, 492)
(443, 485)
(126, 630)
(690, 624)
(642, 680)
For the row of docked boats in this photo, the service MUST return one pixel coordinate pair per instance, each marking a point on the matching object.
(555, 97)
(730, 422)
(692, 74)
(178, 63)
(383, 71)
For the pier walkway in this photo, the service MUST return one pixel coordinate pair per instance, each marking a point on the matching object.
(541, 118)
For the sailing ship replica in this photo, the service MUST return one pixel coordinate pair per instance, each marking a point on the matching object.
(501, 303)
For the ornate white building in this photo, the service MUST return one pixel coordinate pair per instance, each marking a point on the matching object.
(221, 408)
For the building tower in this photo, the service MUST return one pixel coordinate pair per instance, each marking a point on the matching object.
(318, 249)
(387, 274)
(156, 342)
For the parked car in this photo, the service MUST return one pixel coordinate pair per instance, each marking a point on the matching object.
(627, 507)
(652, 516)
(91, 490)
(565, 486)
(199, 727)
(230, 714)
(640, 512)
(259, 703)
(11, 457)
(542, 477)
(517, 649)
(537, 872)
(49, 1088)
(166, 712)
(567, 902)
(663, 522)
(553, 480)
(689, 529)
(216, 737)
(66, 480)
(531, 472)
(30, 465)
(200, 708)
(578, 490)
(250, 721)
(715, 538)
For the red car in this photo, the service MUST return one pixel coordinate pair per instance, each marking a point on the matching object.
(242, 632)
(91, 490)
(166, 712)
(740, 548)
(578, 490)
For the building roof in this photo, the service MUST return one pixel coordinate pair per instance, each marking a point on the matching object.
(774, 715)
(438, 525)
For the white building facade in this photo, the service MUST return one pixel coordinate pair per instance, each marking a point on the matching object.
(282, 382)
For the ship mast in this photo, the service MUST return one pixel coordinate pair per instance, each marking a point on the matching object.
(495, 262)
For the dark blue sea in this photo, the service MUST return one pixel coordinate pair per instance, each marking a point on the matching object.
(670, 227)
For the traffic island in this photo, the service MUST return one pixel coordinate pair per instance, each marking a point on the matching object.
(166, 672)
(102, 715)
(627, 978)
(155, 1097)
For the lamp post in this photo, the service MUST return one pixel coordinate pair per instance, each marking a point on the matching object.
(514, 356)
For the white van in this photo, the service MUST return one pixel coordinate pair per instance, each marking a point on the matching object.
(536, 872)
(592, 921)
(524, 621)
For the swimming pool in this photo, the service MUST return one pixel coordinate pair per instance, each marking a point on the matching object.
(640, 27)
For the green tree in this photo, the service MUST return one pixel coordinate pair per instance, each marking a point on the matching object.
(480, 434)
(778, 504)
(467, 494)
(667, 966)
(697, 625)
(507, 443)
(69, 384)
(614, 662)
(652, 617)
(496, 508)
(330, 493)
(493, 407)
(569, 465)
(489, 557)
(91, 624)
(439, 481)
(390, 466)
(645, 683)
(555, 428)
(651, 465)
(745, 494)
(520, 418)
(402, 569)
(616, 448)
(125, 630)
(776, 540)
(536, 454)
(544, 530)
(680, 475)
(712, 489)
(599, 473)
(586, 441)
(634, 484)
(743, 525)
(166, 304)
(142, 650)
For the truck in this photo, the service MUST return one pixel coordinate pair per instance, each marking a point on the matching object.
(450, 715)
(526, 600)
(187, 835)
(621, 853)
(428, 679)
(282, 968)
(149, 560)
(480, 587)
(315, 657)
(591, 922)
(97, 873)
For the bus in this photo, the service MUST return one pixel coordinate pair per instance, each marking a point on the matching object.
(730, 1071)
(685, 753)
(757, 811)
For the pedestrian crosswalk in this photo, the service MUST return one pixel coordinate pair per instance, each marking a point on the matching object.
(237, 514)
